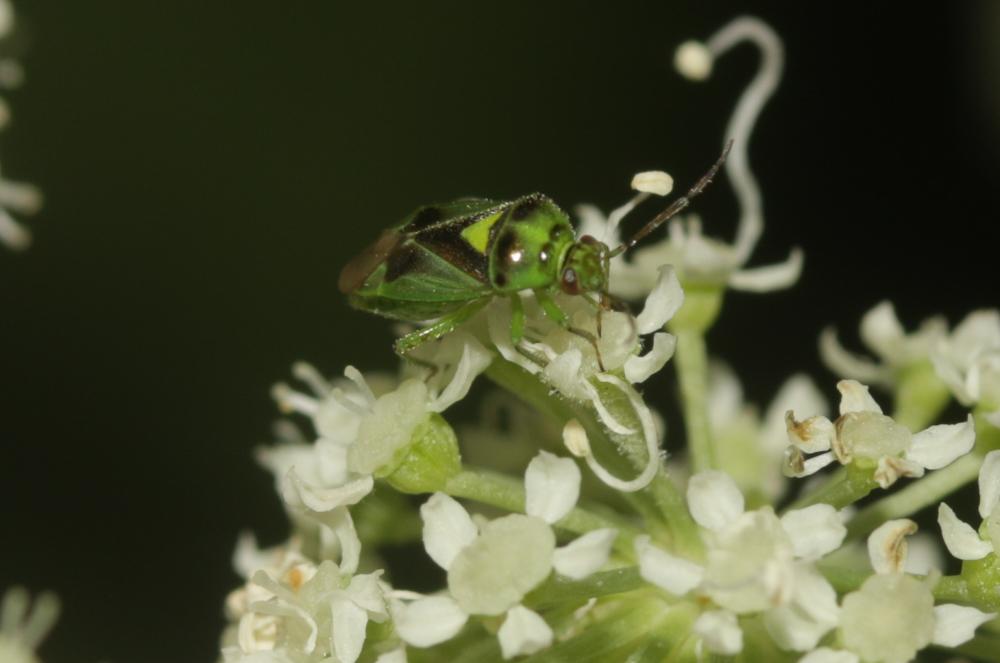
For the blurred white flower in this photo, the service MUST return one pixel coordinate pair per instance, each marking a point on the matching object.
(23, 627)
(968, 361)
(863, 433)
(15, 197)
(883, 334)
(751, 447)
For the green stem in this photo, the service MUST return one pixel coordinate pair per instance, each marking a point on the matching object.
(953, 589)
(560, 589)
(659, 504)
(921, 493)
(507, 493)
(692, 373)
(983, 647)
(619, 630)
(844, 487)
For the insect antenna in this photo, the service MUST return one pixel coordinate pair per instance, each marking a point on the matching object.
(677, 206)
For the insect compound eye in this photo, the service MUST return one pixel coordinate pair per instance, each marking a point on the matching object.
(569, 282)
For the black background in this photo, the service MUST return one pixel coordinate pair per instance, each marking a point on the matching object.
(209, 166)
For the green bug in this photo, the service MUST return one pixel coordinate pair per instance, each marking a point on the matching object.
(446, 262)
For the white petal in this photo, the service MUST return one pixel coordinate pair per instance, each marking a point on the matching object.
(956, 624)
(725, 395)
(640, 368)
(563, 372)
(889, 469)
(813, 435)
(591, 221)
(799, 394)
(809, 614)
(989, 484)
(349, 622)
(498, 322)
(584, 555)
(939, 446)
(720, 632)
(960, 538)
(365, 591)
(428, 621)
(653, 181)
(395, 656)
(714, 499)
(813, 464)
(551, 486)
(881, 330)
(854, 397)
(827, 655)
(523, 632)
(666, 297)
(299, 494)
(475, 359)
(993, 418)
(887, 545)
(342, 524)
(447, 528)
(847, 364)
(770, 277)
(674, 574)
(815, 531)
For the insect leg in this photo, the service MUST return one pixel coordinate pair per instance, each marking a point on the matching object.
(516, 319)
(559, 316)
(413, 340)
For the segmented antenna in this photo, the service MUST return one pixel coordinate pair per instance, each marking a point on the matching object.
(677, 206)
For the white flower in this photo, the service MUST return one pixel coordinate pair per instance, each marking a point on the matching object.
(298, 610)
(756, 563)
(751, 447)
(884, 335)
(15, 197)
(893, 616)
(361, 433)
(863, 433)
(960, 538)
(570, 364)
(968, 361)
(491, 568)
(699, 259)
(22, 628)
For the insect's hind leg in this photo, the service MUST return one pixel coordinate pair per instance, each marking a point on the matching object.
(559, 316)
(407, 344)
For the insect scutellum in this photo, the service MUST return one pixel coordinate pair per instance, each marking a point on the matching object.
(446, 262)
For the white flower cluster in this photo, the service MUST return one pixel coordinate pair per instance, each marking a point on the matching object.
(15, 197)
(862, 434)
(729, 556)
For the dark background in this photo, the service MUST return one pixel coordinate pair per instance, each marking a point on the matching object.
(209, 166)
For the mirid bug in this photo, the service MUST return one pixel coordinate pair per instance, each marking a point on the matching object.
(446, 262)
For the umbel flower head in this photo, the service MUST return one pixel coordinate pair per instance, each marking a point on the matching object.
(626, 556)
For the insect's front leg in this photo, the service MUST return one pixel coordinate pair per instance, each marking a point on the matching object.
(559, 316)
(407, 344)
